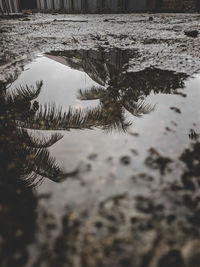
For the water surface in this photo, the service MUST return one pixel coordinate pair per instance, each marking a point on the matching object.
(121, 124)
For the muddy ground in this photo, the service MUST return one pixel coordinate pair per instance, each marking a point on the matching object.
(159, 38)
(136, 204)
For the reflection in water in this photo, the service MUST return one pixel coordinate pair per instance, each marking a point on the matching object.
(113, 104)
(110, 69)
(17, 160)
(25, 157)
(193, 135)
(119, 90)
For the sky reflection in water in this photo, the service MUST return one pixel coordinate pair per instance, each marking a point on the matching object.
(148, 106)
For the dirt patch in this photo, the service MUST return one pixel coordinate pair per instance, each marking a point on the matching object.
(161, 42)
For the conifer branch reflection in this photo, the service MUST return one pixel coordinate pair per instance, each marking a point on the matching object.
(22, 153)
(114, 104)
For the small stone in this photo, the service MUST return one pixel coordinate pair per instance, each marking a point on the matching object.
(134, 151)
(99, 224)
(172, 259)
(187, 182)
(126, 160)
(26, 19)
(177, 110)
(92, 156)
(171, 218)
(193, 33)
(134, 220)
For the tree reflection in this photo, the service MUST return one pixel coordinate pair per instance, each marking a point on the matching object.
(17, 201)
(120, 90)
(25, 158)
(120, 93)
(110, 68)
(23, 155)
(114, 104)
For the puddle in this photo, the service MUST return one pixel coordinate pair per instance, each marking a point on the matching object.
(120, 111)
(116, 118)
(60, 82)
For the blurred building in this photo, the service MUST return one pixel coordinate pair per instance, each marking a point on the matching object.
(109, 6)
(178, 5)
(15, 6)
(11, 6)
(101, 6)
(96, 6)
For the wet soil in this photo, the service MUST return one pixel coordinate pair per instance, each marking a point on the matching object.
(160, 43)
(121, 174)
